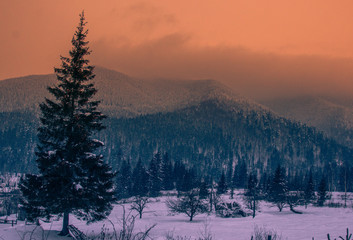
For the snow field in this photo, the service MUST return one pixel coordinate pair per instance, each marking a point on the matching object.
(314, 222)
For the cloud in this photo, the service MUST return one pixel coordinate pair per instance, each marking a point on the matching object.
(255, 74)
(146, 18)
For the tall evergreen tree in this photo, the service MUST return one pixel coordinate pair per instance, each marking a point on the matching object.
(279, 189)
(139, 180)
(240, 175)
(203, 192)
(309, 194)
(188, 181)
(154, 171)
(179, 173)
(265, 183)
(124, 181)
(229, 171)
(222, 185)
(322, 192)
(252, 193)
(167, 173)
(72, 178)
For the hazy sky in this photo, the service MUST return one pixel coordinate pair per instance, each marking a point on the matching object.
(253, 45)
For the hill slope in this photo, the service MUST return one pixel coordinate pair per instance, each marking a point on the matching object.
(121, 95)
(199, 122)
(332, 116)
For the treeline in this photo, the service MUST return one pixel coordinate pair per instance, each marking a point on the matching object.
(18, 138)
(210, 138)
(164, 174)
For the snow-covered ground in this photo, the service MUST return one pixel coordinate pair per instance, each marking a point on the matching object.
(314, 222)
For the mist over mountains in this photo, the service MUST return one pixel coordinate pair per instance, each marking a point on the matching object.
(202, 123)
(120, 95)
(332, 116)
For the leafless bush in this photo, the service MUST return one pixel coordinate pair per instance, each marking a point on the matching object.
(126, 232)
(36, 233)
(262, 233)
(205, 234)
(229, 210)
(170, 236)
(347, 237)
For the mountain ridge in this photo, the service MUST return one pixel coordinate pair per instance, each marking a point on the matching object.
(330, 116)
(120, 95)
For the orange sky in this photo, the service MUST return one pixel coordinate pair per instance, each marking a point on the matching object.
(141, 37)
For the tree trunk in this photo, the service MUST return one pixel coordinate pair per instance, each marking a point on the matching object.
(65, 229)
(191, 218)
(279, 207)
(291, 207)
(254, 209)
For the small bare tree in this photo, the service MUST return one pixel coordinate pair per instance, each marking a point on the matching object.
(127, 231)
(139, 204)
(295, 199)
(190, 204)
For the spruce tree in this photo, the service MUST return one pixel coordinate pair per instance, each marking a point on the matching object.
(188, 181)
(279, 188)
(203, 189)
(222, 186)
(240, 175)
(309, 194)
(179, 173)
(139, 180)
(167, 173)
(252, 193)
(72, 177)
(322, 192)
(265, 183)
(243, 175)
(229, 171)
(124, 182)
(154, 171)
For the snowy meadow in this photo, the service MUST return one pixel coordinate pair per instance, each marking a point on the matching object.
(314, 222)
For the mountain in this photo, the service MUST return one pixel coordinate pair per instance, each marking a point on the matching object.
(331, 115)
(121, 96)
(201, 123)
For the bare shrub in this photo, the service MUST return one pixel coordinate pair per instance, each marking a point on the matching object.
(126, 232)
(170, 236)
(206, 233)
(37, 233)
(229, 210)
(347, 237)
(262, 233)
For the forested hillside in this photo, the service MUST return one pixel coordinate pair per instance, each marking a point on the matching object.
(211, 137)
(200, 123)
